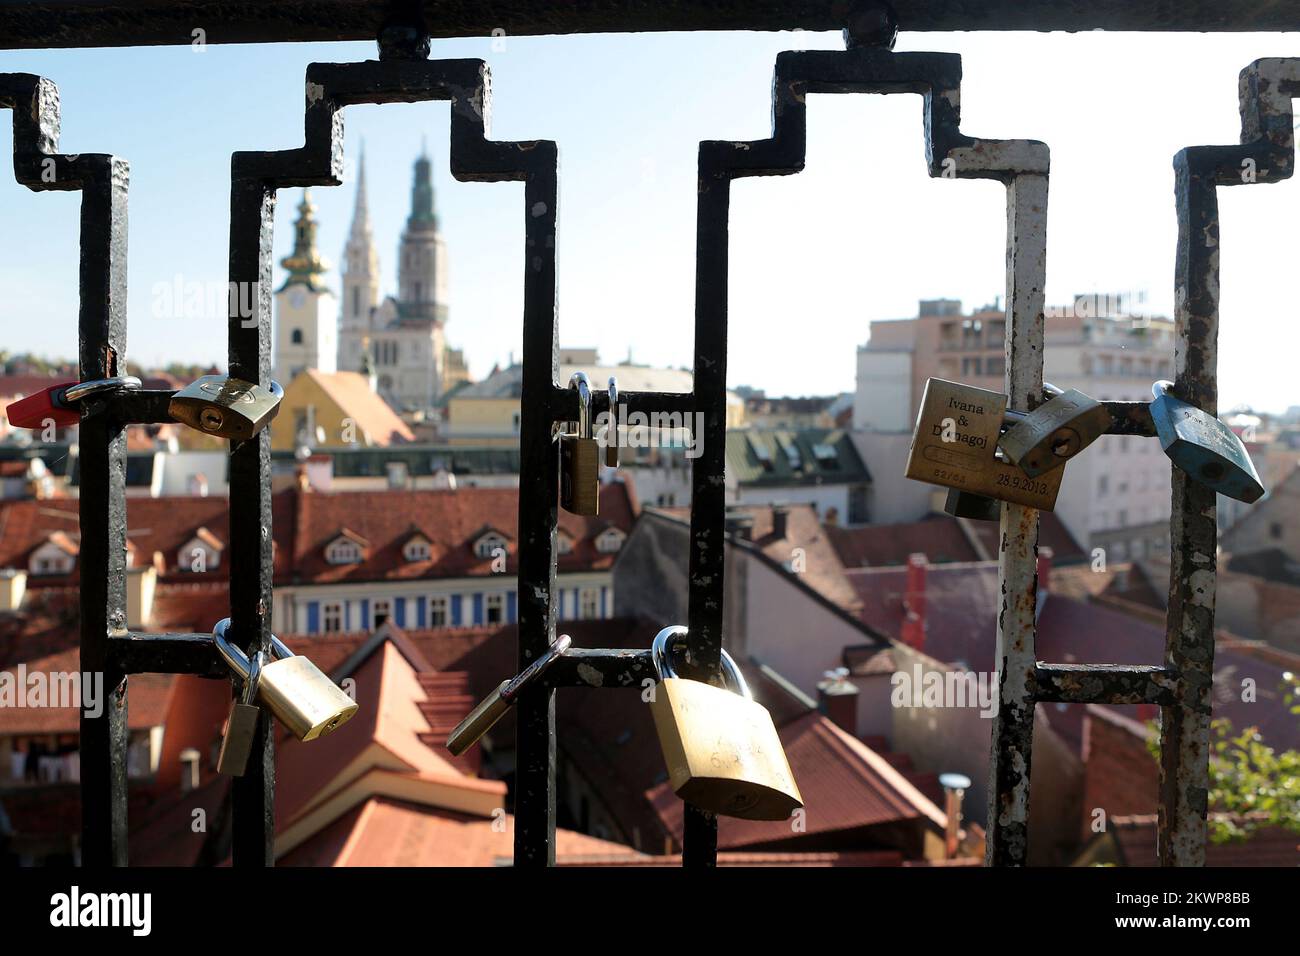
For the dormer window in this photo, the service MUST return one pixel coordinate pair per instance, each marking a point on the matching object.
(417, 549)
(347, 548)
(58, 555)
(201, 553)
(610, 540)
(563, 543)
(489, 543)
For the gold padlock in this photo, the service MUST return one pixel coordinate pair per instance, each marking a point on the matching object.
(226, 407)
(955, 445)
(304, 699)
(721, 747)
(580, 457)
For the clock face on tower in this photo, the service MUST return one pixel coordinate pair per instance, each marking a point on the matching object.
(297, 298)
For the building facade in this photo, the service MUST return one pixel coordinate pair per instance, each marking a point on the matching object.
(1115, 495)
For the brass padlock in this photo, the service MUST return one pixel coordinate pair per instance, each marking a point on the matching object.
(721, 747)
(292, 687)
(1055, 431)
(580, 457)
(1204, 447)
(493, 707)
(226, 407)
(955, 445)
(241, 725)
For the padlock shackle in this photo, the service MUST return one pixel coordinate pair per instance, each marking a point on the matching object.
(235, 658)
(579, 381)
(660, 651)
(1014, 416)
(1162, 388)
(84, 390)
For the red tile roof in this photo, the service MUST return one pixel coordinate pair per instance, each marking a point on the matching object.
(149, 700)
(1135, 842)
(305, 522)
(384, 831)
(940, 539)
(452, 520)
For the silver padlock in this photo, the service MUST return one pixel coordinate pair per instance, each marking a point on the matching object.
(292, 687)
(241, 725)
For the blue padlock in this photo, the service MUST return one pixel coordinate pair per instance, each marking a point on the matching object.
(1202, 446)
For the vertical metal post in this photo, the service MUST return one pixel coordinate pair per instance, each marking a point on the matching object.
(252, 215)
(102, 507)
(1013, 726)
(538, 495)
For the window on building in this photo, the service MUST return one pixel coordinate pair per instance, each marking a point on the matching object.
(343, 551)
(356, 300)
(995, 365)
(970, 365)
(1103, 485)
(296, 336)
(589, 603)
(1275, 531)
(514, 422)
(610, 540)
(383, 610)
(485, 545)
(438, 616)
(417, 549)
(564, 544)
(1123, 518)
(494, 608)
(333, 615)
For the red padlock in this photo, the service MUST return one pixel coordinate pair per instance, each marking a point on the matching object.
(46, 405)
(60, 403)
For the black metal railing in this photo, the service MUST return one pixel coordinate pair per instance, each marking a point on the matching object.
(403, 74)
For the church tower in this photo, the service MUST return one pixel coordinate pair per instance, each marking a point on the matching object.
(360, 281)
(422, 258)
(305, 309)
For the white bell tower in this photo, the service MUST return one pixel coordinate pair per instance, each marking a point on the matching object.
(306, 312)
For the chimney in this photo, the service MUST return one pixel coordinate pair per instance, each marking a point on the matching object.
(780, 521)
(1044, 569)
(13, 585)
(914, 602)
(139, 595)
(837, 699)
(954, 786)
(189, 769)
(739, 524)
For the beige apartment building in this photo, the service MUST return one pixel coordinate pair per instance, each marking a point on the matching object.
(1114, 496)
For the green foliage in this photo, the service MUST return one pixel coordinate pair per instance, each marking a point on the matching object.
(1251, 784)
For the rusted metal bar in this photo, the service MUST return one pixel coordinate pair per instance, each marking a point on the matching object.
(1267, 154)
(136, 653)
(1013, 725)
(103, 182)
(1130, 418)
(1105, 684)
(67, 23)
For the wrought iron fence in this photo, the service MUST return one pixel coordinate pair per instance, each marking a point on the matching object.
(1181, 685)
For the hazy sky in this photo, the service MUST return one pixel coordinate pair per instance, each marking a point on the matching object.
(861, 234)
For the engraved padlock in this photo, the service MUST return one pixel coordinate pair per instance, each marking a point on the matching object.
(580, 457)
(955, 445)
(1204, 447)
(291, 687)
(493, 707)
(1055, 431)
(721, 747)
(226, 407)
(241, 725)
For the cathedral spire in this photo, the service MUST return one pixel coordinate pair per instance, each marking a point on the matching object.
(422, 215)
(304, 264)
(361, 211)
